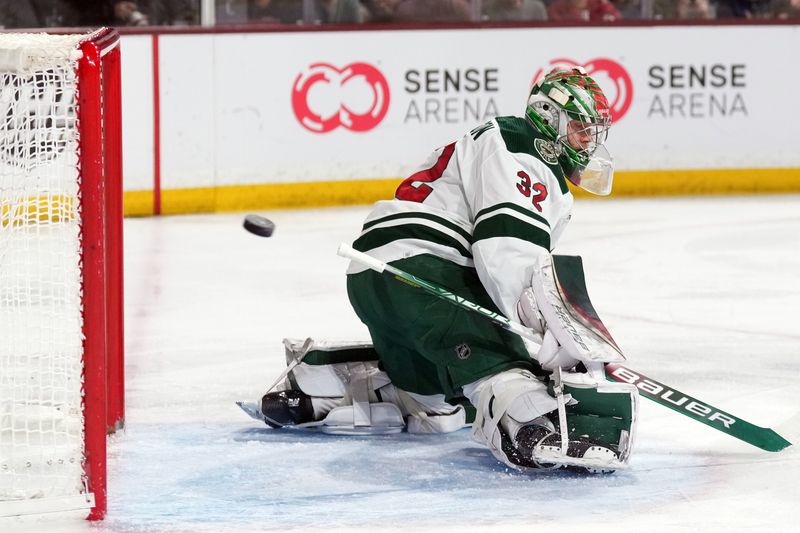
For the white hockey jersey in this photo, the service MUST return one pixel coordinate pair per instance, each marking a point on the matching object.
(492, 200)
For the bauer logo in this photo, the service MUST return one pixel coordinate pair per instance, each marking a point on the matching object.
(355, 97)
(612, 77)
(666, 396)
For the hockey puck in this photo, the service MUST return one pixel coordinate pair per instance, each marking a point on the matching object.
(258, 225)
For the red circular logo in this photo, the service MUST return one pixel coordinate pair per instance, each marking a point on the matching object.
(612, 78)
(333, 84)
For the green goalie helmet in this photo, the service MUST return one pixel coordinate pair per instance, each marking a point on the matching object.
(570, 110)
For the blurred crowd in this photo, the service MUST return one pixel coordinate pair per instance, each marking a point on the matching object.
(88, 13)
(78, 13)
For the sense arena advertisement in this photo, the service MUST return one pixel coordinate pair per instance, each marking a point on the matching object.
(327, 106)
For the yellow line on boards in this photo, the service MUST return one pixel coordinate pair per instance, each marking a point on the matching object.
(704, 182)
(355, 192)
(263, 196)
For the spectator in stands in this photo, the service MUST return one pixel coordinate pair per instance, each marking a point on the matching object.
(630, 9)
(438, 11)
(172, 12)
(132, 12)
(507, 10)
(275, 11)
(583, 10)
(20, 15)
(36, 14)
(231, 11)
(338, 12)
(379, 11)
(742, 9)
(785, 9)
(155, 12)
(682, 10)
(127, 13)
(569, 10)
(603, 10)
(694, 9)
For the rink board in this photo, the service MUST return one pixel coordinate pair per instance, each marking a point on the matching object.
(228, 121)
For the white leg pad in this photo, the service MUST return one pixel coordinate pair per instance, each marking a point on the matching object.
(510, 399)
(427, 414)
(356, 397)
(360, 412)
(377, 419)
(427, 423)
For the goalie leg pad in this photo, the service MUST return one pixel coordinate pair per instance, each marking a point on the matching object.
(604, 411)
(596, 429)
(426, 414)
(351, 395)
(339, 379)
(323, 372)
(599, 420)
(504, 403)
(360, 413)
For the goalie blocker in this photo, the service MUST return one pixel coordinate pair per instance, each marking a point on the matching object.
(338, 387)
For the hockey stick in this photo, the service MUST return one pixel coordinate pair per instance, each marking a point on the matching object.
(764, 438)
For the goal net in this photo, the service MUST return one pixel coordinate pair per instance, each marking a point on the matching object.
(60, 269)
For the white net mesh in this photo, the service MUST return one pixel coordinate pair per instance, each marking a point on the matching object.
(41, 421)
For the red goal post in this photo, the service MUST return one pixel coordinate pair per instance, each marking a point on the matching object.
(61, 292)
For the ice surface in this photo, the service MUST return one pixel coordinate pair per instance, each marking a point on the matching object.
(701, 294)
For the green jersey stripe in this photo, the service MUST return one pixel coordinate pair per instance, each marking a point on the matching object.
(378, 237)
(518, 208)
(428, 216)
(502, 225)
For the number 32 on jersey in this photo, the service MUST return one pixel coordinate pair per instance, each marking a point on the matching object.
(537, 192)
(415, 188)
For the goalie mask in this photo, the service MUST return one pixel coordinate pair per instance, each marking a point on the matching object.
(570, 110)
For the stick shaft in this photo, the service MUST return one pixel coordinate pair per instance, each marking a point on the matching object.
(764, 438)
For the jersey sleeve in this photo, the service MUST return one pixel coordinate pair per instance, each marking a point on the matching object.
(512, 223)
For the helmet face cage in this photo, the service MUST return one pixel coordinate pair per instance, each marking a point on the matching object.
(583, 134)
(570, 110)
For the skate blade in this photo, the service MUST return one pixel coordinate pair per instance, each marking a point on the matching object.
(253, 410)
(355, 430)
(594, 464)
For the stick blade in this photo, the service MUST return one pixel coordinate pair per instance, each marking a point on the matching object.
(258, 225)
(791, 429)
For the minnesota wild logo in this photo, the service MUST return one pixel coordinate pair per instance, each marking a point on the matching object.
(547, 150)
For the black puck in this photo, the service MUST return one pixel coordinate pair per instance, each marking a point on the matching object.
(258, 225)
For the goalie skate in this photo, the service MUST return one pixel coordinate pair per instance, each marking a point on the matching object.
(542, 447)
(384, 418)
(286, 408)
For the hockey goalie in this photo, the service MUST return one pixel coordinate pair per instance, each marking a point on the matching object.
(480, 218)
